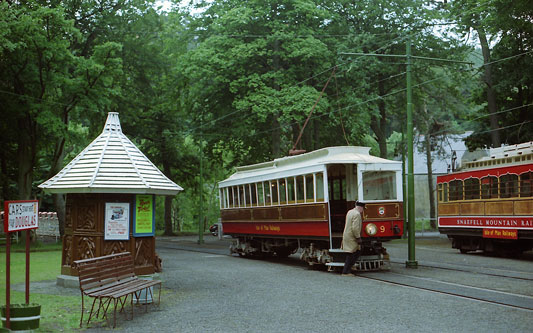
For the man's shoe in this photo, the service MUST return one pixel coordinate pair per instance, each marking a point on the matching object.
(348, 274)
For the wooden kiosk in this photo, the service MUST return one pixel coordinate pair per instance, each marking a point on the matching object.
(110, 192)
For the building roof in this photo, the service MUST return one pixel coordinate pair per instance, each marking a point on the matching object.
(111, 164)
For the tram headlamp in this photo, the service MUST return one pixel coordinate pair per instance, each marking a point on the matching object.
(371, 229)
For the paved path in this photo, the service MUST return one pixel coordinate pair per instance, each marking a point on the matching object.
(207, 290)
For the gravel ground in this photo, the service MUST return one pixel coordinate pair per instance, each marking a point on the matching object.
(206, 292)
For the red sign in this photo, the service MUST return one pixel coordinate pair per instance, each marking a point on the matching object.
(21, 215)
(500, 233)
(513, 222)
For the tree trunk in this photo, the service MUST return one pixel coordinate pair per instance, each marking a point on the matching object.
(59, 199)
(4, 175)
(430, 183)
(379, 125)
(276, 138)
(168, 204)
(491, 97)
(60, 206)
(168, 216)
(26, 156)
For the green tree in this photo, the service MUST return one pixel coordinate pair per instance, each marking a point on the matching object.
(504, 31)
(245, 72)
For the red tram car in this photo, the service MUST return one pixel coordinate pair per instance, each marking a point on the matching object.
(300, 203)
(488, 205)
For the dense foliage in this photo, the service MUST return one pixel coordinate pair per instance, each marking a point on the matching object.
(225, 82)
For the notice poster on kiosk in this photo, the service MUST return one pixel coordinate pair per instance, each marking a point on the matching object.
(144, 216)
(117, 221)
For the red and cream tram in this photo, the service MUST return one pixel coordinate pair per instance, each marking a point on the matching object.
(489, 204)
(300, 202)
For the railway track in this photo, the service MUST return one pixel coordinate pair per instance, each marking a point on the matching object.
(485, 295)
(519, 275)
(397, 276)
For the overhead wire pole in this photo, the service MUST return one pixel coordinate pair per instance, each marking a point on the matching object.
(411, 262)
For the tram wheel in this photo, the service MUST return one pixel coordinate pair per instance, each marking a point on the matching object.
(464, 251)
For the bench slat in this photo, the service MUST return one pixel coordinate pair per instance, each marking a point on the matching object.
(110, 277)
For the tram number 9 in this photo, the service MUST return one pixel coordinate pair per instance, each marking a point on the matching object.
(382, 229)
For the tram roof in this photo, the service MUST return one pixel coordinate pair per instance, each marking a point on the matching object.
(309, 162)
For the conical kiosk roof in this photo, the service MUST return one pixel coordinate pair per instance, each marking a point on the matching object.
(111, 164)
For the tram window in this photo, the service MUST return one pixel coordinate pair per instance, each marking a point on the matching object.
(319, 181)
(439, 192)
(379, 185)
(335, 189)
(309, 188)
(260, 195)
(225, 203)
(236, 198)
(242, 196)
(489, 187)
(274, 191)
(456, 190)
(282, 192)
(526, 184)
(300, 189)
(291, 190)
(253, 194)
(443, 192)
(246, 195)
(268, 195)
(472, 189)
(230, 197)
(508, 186)
(221, 197)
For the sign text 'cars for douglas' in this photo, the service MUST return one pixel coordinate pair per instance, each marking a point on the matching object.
(21, 215)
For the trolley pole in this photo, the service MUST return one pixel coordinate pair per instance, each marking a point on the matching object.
(411, 262)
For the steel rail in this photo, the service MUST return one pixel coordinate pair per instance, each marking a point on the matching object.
(527, 304)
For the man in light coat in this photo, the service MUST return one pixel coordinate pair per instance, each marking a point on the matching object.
(351, 238)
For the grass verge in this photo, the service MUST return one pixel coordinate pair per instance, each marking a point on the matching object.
(59, 313)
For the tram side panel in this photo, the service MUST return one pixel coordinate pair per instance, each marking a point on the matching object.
(283, 229)
(488, 209)
(281, 221)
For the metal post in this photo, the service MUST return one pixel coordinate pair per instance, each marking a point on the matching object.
(28, 266)
(411, 262)
(8, 277)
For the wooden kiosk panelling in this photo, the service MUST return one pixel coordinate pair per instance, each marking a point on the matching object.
(109, 170)
(84, 233)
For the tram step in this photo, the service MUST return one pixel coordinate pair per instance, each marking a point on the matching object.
(336, 250)
(335, 264)
(366, 265)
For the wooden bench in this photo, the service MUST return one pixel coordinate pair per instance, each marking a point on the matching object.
(110, 280)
